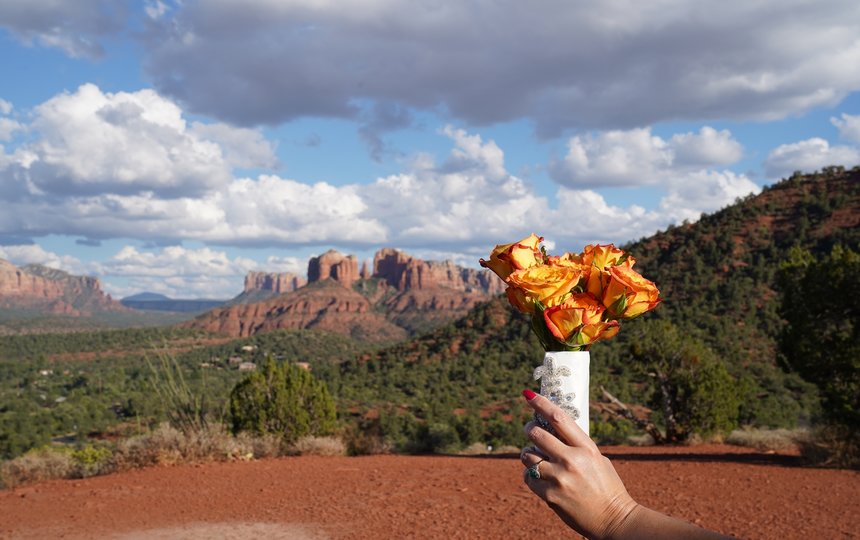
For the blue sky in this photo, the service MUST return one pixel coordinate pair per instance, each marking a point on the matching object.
(174, 146)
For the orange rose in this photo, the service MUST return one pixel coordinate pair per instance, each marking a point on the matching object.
(578, 321)
(599, 258)
(508, 258)
(628, 294)
(568, 259)
(545, 284)
(519, 300)
(602, 257)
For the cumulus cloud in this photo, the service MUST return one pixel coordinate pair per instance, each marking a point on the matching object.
(460, 202)
(809, 155)
(704, 191)
(848, 126)
(24, 254)
(5, 106)
(95, 143)
(177, 271)
(563, 65)
(638, 157)
(77, 27)
(242, 147)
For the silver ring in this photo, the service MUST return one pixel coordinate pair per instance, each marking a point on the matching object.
(534, 470)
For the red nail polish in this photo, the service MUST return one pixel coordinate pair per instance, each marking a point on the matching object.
(529, 395)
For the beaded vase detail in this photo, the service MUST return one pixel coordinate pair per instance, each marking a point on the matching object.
(564, 380)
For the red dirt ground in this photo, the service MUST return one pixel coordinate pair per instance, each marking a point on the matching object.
(734, 490)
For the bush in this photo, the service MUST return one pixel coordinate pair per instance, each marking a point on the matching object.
(832, 446)
(285, 401)
(46, 463)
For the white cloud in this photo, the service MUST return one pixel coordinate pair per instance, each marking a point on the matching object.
(461, 203)
(7, 127)
(74, 26)
(95, 142)
(5, 106)
(241, 147)
(563, 65)
(807, 156)
(177, 271)
(849, 127)
(704, 191)
(638, 157)
(24, 254)
(707, 148)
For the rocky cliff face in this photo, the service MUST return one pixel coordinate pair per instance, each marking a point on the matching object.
(407, 273)
(342, 269)
(277, 283)
(52, 291)
(325, 305)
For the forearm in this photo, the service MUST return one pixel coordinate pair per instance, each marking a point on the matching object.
(645, 523)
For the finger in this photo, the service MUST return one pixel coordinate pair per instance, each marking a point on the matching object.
(531, 451)
(563, 424)
(547, 471)
(550, 445)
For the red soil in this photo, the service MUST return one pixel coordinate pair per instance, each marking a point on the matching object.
(733, 490)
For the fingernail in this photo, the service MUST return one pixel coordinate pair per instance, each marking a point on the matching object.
(529, 395)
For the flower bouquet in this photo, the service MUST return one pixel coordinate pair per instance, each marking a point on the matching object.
(574, 300)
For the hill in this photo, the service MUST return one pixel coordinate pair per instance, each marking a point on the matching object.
(718, 280)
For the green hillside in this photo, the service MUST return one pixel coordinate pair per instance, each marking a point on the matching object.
(717, 277)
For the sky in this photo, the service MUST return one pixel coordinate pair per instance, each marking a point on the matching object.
(172, 146)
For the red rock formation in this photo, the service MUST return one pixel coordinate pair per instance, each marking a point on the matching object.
(323, 306)
(406, 295)
(51, 290)
(333, 265)
(276, 282)
(407, 273)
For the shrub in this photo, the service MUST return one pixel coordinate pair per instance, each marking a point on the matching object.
(46, 463)
(282, 400)
(832, 446)
(92, 461)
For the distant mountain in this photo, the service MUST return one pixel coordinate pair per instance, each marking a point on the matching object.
(147, 301)
(403, 295)
(145, 297)
(37, 289)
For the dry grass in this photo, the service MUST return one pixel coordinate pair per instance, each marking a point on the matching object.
(768, 439)
(164, 445)
(36, 466)
(318, 446)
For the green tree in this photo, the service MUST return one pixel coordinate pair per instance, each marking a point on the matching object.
(283, 400)
(821, 339)
(689, 388)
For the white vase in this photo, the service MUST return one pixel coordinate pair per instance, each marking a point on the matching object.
(564, 380)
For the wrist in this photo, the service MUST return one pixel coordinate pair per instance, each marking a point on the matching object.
(621, 519)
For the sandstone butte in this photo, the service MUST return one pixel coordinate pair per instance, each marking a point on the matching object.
(400, 296)
(52, 291)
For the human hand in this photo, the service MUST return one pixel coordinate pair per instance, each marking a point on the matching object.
(576, 480)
